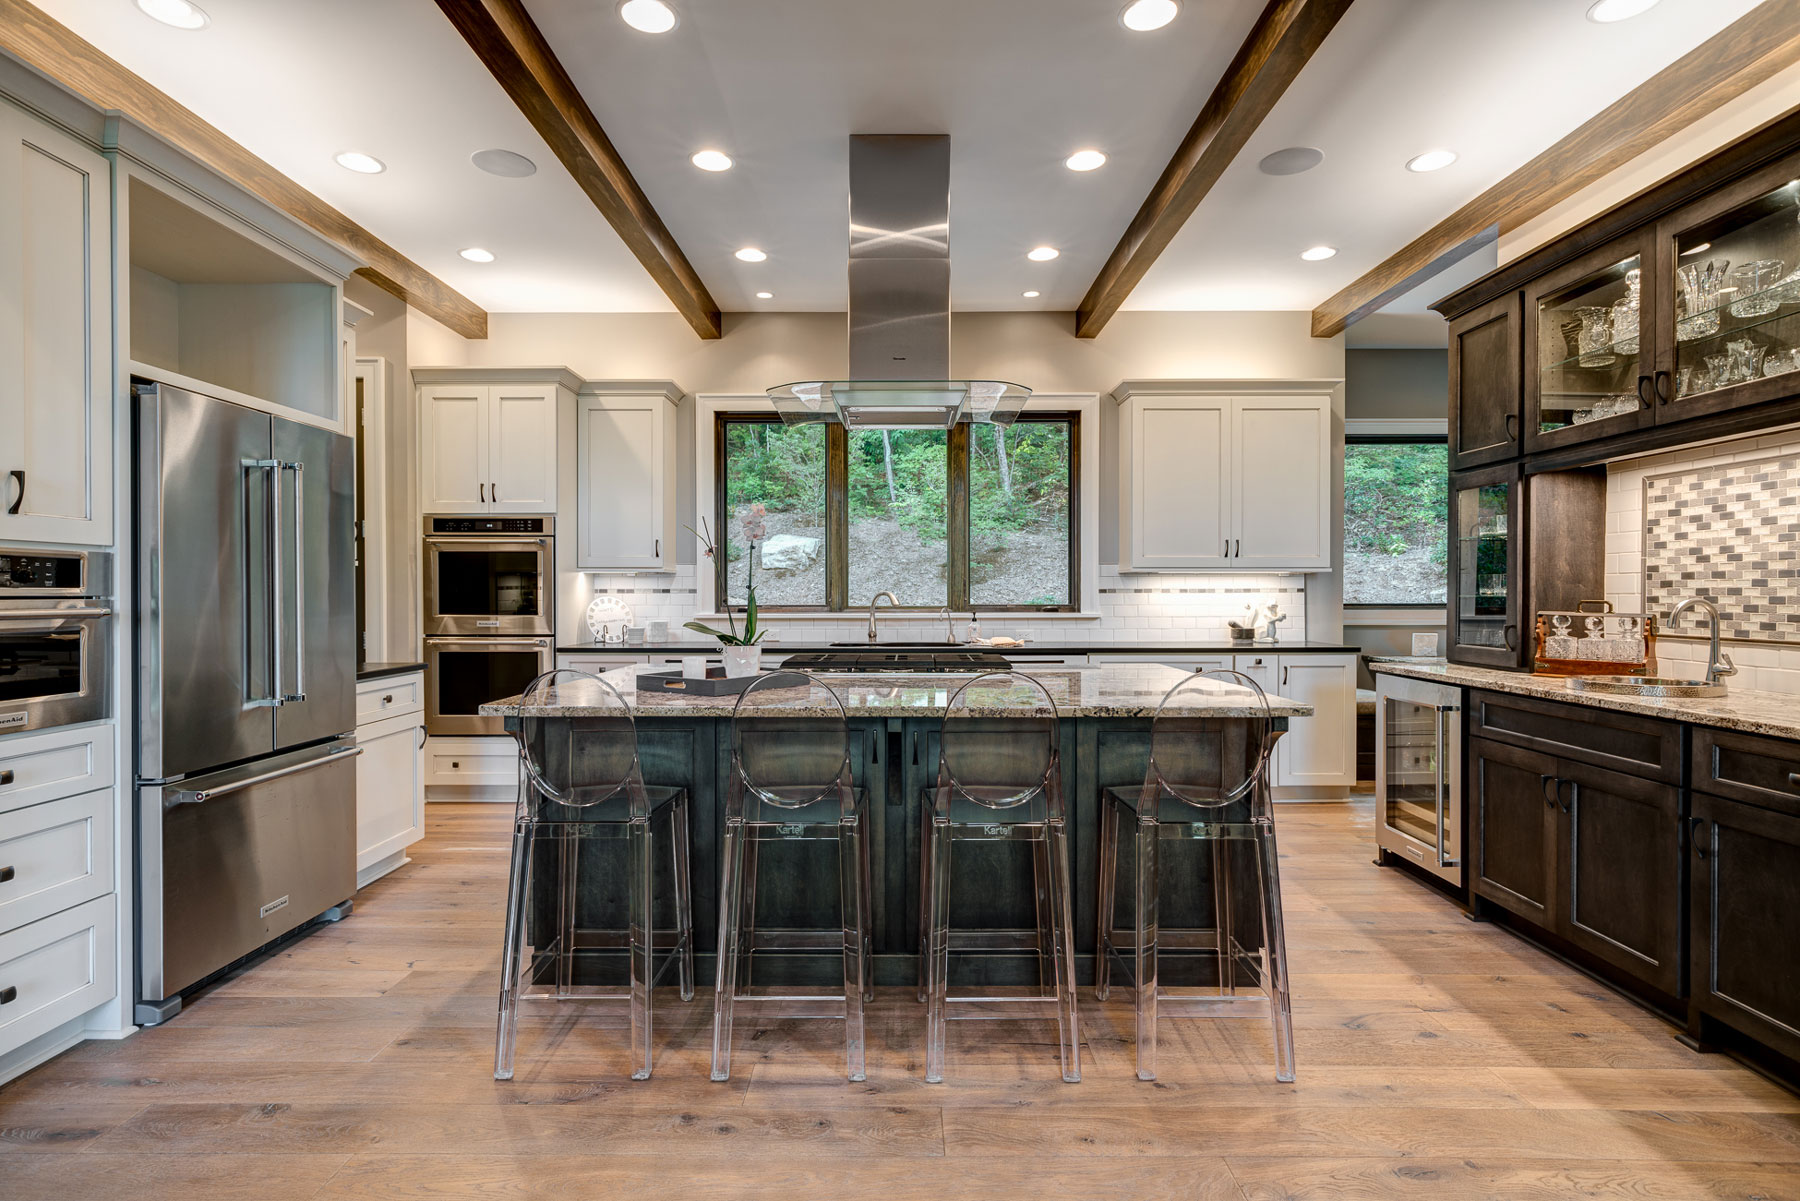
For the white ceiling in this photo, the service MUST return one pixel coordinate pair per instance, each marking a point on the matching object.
(780, 84)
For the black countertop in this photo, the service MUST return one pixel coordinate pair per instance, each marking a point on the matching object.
(375, 671)
(1029, 650)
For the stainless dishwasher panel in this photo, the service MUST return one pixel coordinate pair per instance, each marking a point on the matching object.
(235, 859)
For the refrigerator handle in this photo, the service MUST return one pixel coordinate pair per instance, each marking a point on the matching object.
(299, 693)
(271, 471)
(1444, 782)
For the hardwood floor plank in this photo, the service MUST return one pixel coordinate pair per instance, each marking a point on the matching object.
(46, 1124)
(1455, 1179)
(174, 1177)
(1653, 1088)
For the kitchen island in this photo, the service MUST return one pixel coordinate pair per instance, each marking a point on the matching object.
(1104, 716)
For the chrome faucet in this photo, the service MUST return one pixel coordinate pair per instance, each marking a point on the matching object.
(949, 626)
(893, 602)
(1718, 663)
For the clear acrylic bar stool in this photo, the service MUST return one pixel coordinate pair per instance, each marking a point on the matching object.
(580, 779)
(1207, 780)
(791, 781)
(999, 779)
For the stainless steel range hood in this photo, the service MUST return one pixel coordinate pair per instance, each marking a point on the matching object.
(899, 302)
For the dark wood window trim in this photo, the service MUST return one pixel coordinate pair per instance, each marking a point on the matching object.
(1392, 440)
(837, 519)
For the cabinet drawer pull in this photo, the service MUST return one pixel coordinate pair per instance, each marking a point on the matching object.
(1644, 390)
(1574, 794)
(482, 488)
(494, 491)
(1544, 789)
(1511, 634)
(6, 874)
(1237, 548)
(20, 499)
(1793, 779)
(1695, 825)
(1512, 427)
(8, 995)
(388, 699)
(6, 776)
(1663, 379)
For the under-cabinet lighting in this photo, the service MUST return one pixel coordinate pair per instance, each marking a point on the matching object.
(1697, 249)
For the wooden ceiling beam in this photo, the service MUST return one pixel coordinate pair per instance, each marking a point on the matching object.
(1281, 43)
(1745, 53)
(509, 44)
(53, 49)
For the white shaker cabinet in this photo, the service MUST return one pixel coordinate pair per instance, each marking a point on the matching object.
(625, 476)
(1321, 749)
(1225, 476)
(487, 438)
(56, 335)
(390, 772)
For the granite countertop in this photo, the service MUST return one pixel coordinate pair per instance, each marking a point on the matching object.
(375, 671)
(1773, 713)
(1119, 691)
(696, 646)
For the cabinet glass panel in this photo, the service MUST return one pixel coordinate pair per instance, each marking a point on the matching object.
(1484, 554)
(1412, 772)
(1589, 341)
(1737, 296)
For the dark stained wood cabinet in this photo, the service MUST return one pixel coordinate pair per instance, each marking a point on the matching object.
(1513, 828)
(1745, 901)
(1485, 421)
(1619, 846)
(1486, 564)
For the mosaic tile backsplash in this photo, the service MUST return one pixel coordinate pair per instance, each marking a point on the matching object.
(1729, 531)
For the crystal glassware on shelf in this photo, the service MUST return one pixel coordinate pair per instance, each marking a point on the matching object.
(1699, 299)
(1684, 380)
(1625, 314)
(1754, 284)
(1596, 336)
(1717, 373)
(1745, 360)
(1787, 288)
(1780, 362)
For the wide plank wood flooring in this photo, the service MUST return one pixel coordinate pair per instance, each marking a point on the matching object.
(1439, 1059)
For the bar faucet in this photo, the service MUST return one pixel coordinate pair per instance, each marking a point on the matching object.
(949, 625)
(1718, 663)
(893, 602)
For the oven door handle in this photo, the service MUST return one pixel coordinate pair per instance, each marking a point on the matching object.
(181, 797)
(7, 615)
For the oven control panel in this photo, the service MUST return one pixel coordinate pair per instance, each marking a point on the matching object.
(40, 571)
(490, 525)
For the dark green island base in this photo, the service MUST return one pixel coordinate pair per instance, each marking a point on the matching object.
(1105, 718)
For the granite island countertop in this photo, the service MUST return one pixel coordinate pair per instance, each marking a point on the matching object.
(1772, 713)
(701, 646)
(1133, 690)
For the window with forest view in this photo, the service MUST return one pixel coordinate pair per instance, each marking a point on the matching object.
(1396, 515)
(901, 530)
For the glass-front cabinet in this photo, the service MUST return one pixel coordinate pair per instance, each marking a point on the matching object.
(1590, 346)
(1487, 567)
(1734, 289)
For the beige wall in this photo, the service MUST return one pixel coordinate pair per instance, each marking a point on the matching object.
(383, 334)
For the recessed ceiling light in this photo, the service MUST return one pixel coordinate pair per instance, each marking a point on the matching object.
(1431, 160)
(179, 13)
(1085, 160)
(507, 164)
(712, 160)
(1043, 254)
(1291, 161)
(362, 164)
(647, 16)
(1032, 295)
(1607, 11)
(476, 254)
(751, 254)
(1318, 253)
(1141, 16)
(765, 296)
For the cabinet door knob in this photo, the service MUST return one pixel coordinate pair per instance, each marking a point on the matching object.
(1793, 779)
(20, 498)
(388, 699)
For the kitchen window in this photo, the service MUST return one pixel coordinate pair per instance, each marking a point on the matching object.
(1396, 521)
(979, 517)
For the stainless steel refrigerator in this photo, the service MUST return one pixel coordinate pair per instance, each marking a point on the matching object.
(246, 684)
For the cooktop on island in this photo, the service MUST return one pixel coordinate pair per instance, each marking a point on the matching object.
(889, 660)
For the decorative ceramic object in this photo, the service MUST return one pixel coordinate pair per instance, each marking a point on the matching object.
(607, 617)
(742, 661)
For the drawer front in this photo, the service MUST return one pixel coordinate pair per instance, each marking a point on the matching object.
(471, 761)
(55, 970)
(54, 856)
(44, 767)
(389, 697)
(1640, 746)
(1744, 767)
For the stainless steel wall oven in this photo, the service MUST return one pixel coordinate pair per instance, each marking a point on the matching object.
(55, 637)
(489, 620)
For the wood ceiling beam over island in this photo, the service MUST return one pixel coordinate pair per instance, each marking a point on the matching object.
(1745, 53)
(1281, 43)
(509, 44)
(46, 45)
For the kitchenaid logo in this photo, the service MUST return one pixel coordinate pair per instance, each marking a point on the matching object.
(272, 906)
(11, 719)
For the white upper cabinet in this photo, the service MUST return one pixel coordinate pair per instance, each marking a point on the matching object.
(487, 439)
(625, 473)
(1237, 478)
(56, 335)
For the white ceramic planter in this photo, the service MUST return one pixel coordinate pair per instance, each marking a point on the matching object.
(742, 661)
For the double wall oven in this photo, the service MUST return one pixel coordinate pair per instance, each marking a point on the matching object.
(55, 637)
(489, 625)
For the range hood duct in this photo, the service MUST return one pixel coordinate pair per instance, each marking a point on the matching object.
(899, 302)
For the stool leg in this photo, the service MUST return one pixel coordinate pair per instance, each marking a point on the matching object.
(1225, 939)
(1275, 953)
(643, 942)
(681, 844)
(512, 952)
(939, 914)
(1147, 880)
(731, 908)
(1049, 979)
(568, 876)
(924, 902)
(855, 921)
(1109, 868)
(867, 932)
(1063, 950)
(747, 935)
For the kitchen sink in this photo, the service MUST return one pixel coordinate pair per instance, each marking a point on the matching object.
(1651, 686)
